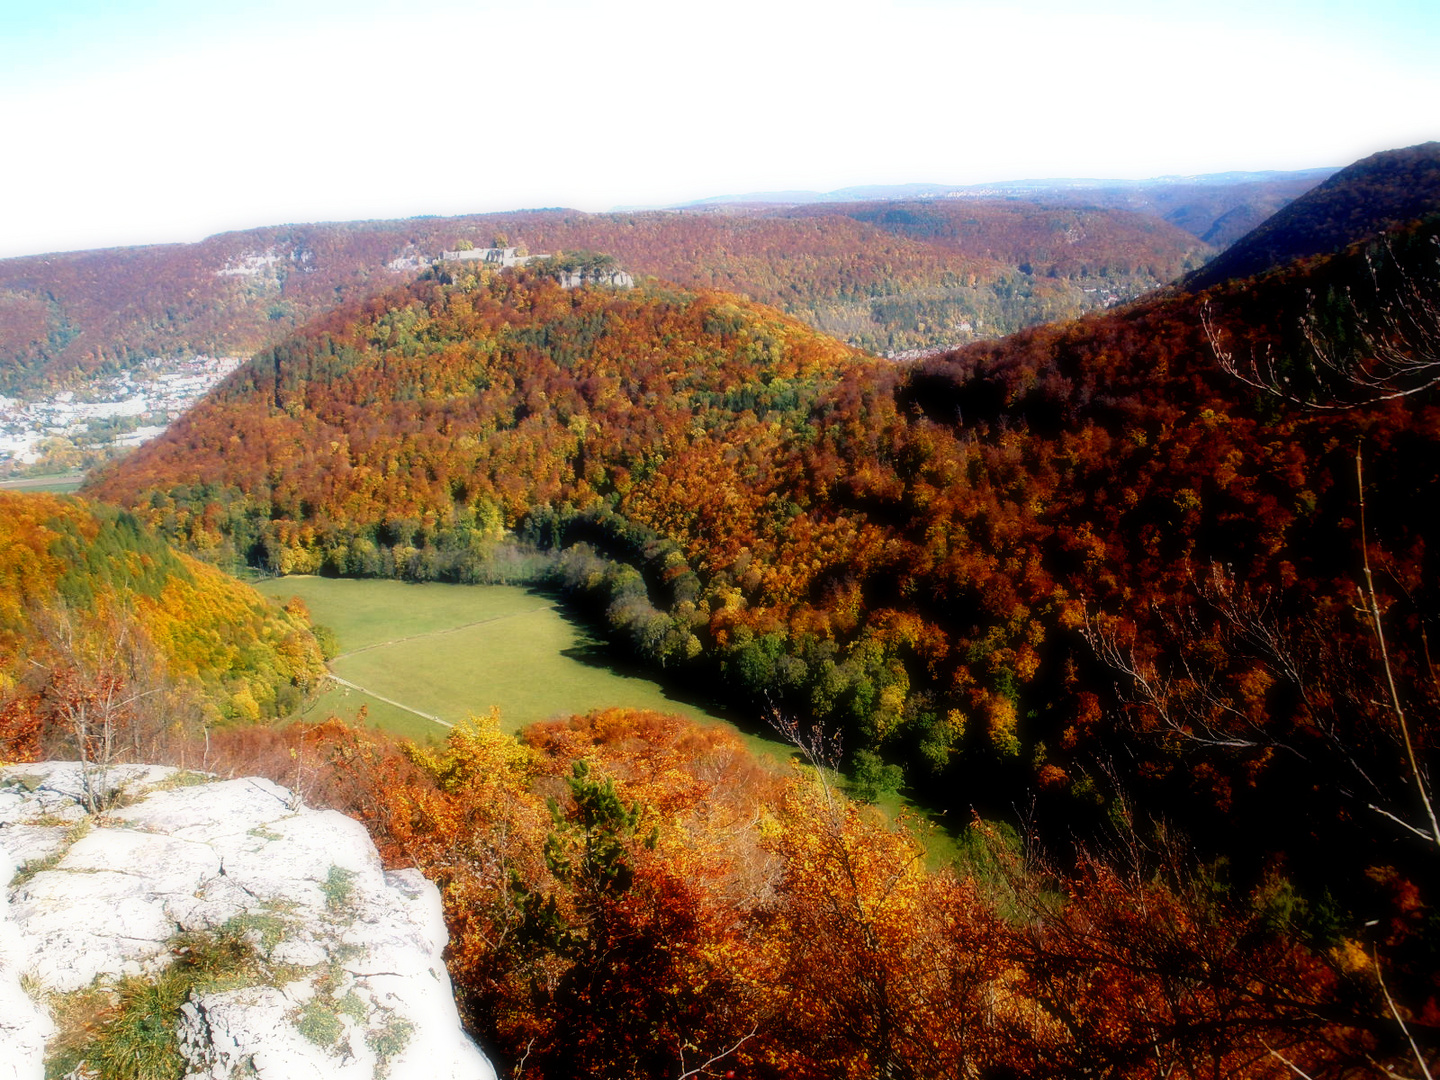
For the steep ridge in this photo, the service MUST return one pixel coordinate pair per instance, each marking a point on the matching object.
(1394, 187)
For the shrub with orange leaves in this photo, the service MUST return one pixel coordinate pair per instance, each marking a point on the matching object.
(880, 967)
(21, 723)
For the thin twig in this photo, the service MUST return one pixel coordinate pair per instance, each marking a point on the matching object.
(718, 1057)
(1374, 610)
(1395, 1012)
(1286, 1062)
(520, 1065)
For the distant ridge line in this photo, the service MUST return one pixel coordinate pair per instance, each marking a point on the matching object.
(886, 192)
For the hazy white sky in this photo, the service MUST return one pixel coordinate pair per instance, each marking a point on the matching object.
(147, 121)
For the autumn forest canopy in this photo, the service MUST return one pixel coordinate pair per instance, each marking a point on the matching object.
(1140, 600)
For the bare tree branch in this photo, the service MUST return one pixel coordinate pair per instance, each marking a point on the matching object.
(1395, 1012)
(1387, 347)
(717, 1058)
(1373, 608)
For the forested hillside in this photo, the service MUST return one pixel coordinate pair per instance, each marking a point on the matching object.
(1218, 209)
(67, 314)
(397, 435)
(1111, 563)
(1390, 188)
(1082, 244)
(1153, 586)
(105, 628)
(937, 560)
(869, 276)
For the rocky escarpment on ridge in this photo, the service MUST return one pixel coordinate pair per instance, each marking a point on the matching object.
(250, 935)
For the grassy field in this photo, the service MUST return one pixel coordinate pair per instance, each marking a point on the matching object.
(59, 482)
(447, 651)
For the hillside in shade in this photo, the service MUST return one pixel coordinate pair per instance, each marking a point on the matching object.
(1391, 188)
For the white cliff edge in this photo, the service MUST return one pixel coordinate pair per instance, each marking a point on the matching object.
(334, 965)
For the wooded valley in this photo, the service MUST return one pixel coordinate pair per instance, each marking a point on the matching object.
(1140, 599)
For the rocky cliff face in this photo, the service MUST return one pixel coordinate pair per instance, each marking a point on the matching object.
(573, 279)
(220, 926)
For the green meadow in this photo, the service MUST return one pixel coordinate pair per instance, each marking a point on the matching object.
(449, 651)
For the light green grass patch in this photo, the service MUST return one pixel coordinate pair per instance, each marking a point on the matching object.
(943, 845)
(371, 612)
(456, 650)
(346, 702)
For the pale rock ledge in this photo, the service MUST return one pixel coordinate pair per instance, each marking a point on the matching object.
(337, 970)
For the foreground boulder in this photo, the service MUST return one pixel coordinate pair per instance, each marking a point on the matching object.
(221, 927)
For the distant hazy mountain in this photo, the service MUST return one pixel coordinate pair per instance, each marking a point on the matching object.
(849, 194)
(1003, 188)
(1218, 208)
(1043, 240)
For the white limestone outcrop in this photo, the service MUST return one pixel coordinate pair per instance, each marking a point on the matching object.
(342, 978)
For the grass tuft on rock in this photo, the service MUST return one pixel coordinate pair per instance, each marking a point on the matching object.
(127, 1031)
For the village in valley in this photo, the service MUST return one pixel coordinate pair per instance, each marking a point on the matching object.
(69, 430)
